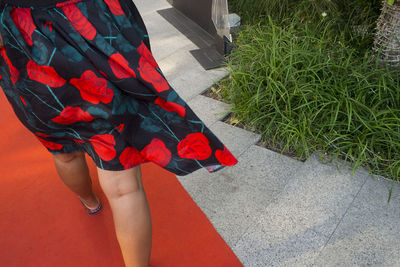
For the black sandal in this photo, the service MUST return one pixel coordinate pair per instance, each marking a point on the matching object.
(92, 211)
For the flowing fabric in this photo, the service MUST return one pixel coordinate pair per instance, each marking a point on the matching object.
(80, 76)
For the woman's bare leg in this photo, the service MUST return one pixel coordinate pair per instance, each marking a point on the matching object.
(132, 219)
(74, 172)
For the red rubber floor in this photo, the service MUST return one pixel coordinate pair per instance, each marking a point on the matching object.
(42, 223)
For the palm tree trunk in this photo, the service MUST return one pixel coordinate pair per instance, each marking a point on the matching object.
(387, 37)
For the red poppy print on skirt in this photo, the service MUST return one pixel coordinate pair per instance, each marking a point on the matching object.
(104, 144)
(23, 100)
(22, 18)
(119, 66)
(145, 53)
(157, 152)
(120, 127)
(102, 73)
(44, 74)
(93, 89)
(42, 134)
(114, 7)
(48, 23)
(225, 157)
(71, 115)
(14, 72)
(194, 146)
(87, 81)
(151, 75)
(131, 157)
(79, 21)
(50, 145)
(170, 106)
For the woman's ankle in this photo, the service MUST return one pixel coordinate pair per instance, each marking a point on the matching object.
(91, 201)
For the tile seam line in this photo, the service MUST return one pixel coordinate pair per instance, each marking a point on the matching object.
(341, 219)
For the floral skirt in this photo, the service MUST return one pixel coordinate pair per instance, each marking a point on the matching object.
(81, 77)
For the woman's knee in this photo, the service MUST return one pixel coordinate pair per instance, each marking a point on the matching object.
(116, 184)
(67, 157)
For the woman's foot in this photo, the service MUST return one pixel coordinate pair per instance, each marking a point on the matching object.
(90, 207)
(91, 203)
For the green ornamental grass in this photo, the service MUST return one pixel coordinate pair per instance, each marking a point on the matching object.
(311, 84)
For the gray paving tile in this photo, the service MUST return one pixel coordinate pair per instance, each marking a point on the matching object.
(186, 75)
(209, 110)
(319, 197)
(258, 248)
(223, 199)
(311, 205)
(369, 234)
(218, 74)
(146, 6)
(266, 171)
(209, 191)
(165, 39)
(235, 197)
(237, 140)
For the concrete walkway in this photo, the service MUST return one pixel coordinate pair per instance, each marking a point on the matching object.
(270, 209)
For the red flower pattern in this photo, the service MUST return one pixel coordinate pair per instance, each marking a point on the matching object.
(225, 157)
(23, 100)
(50, 25)
(102, 73)
(71, 115)
(14, 72)
(146, 54)
(68, 2)
(42, 134)
(120, 127)
(93, 88)
(120, 66)
(22, 18)
(151, 75)
(114, 7)
(131, 157)
(170, 106)
(51, 145)
(44, 74)
(157, 152)
(194, 146)
(79, 21)
(104, 144)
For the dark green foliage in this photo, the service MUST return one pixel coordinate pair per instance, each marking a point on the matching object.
(310, 82)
